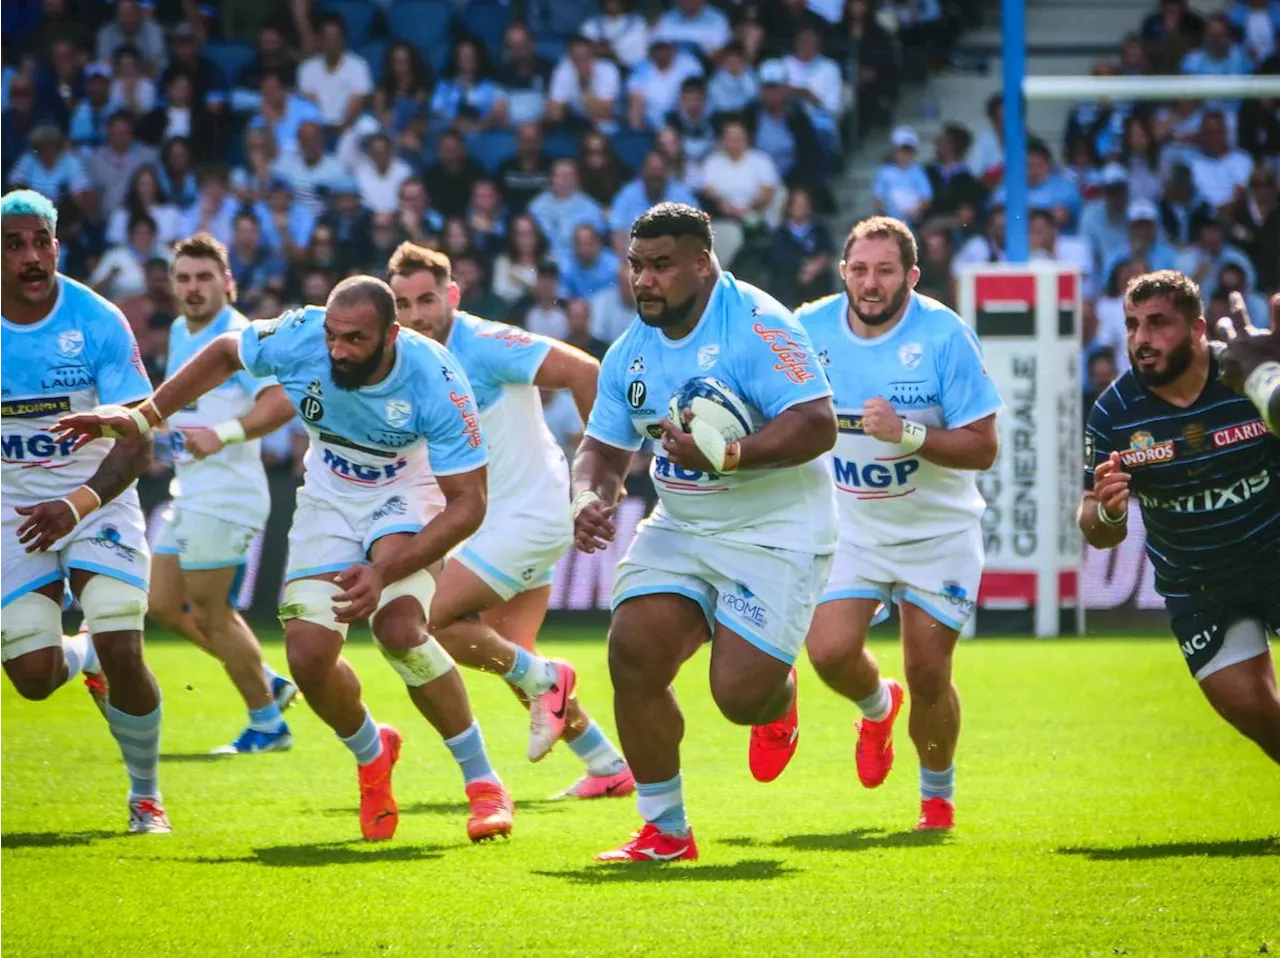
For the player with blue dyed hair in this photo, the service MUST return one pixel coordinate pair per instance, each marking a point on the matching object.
(71, 512)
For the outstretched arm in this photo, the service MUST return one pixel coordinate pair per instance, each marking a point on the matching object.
(271, 410)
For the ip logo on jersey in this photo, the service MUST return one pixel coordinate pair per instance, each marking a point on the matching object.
(312, 409)
(71, 343)
(636, 393)
(398, 412)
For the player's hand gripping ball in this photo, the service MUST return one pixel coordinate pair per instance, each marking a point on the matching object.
(714, 416)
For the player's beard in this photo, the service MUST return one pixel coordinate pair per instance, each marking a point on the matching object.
(350, 375)
(891, 307)
(1176, 362)
(670, 315)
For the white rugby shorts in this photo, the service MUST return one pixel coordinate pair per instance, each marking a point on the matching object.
(513, 554)
(202, 541)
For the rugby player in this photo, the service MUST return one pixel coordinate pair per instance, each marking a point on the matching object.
(1250, 358)
(739, 546)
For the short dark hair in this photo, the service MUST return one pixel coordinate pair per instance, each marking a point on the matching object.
(1041, 148)
(141, 219)
(885, 227)
(410, 258)
(335, 19)
(676, 220)
(1182, 291)
(694, 85)
(362, 290)
(548, 267)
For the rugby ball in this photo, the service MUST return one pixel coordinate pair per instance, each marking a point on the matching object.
(714, 403)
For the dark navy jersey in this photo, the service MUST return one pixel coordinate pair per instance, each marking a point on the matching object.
(1206, 477)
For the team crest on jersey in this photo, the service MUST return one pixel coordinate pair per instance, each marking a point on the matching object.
(637, 367)
(1195, 436)
(654, 430)
(398, 412)
(71, 343)
(708, 356)
(910, 354)
(1144, 450)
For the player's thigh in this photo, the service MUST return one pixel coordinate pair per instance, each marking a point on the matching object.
(927, 650)
(167, 593)
(520, 619)
(1244, 692)
(312, 647)
(110, 542)
(210, 591)
(460, 593)
(839, 630)
(651, 635)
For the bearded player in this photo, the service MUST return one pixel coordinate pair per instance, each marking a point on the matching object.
(492, 595)
(917, 420)
(393, 427)
(739, 546)
(1205, 470)
(71, 512)
(220, 498)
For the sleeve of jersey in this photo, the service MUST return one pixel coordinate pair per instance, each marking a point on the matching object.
(120, 374)
(254, 385)
(610, 420)
(1097, 441)
(450, 420)
(511, 355)
(968, 393)
(781, 366)
(267, 345)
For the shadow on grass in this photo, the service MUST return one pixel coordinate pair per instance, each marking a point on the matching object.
(181, 757)
(1232, 848)
(856, 840)
(326, 853)
(644, 872)
(10, 840)
(533, 806)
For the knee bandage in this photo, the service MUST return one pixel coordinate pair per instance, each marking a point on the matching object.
(420, 585)
(422, 663)
(311, 600)
(31, 622)
(112, 606)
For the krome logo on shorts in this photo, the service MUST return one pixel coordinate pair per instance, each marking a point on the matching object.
(1144, 450)
(743, 603)
(1245, 432)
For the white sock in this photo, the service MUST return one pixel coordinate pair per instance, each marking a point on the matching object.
(532, 674)
(877, 706)
(80, 654)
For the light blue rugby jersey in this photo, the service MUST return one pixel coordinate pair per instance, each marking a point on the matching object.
(527, 468)
(929, 367)
(753, 344)
(81, 355)
(232, 484)
(421, 419)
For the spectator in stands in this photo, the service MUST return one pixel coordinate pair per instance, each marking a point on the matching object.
(473, 290)
(282, 111)
(131, 27)
(1182, 210)
(215, 208)
(524, 76)
(780, 127)
(131, 88)
(602, 172)
(1104, 222)
(1220, 172)
(740, 191)
(591, 268)
(1139, 155)
(113, 164)
(419, 222)
(1170, 32)
(1257, 22)
(936, 256)
(528, 173)
(654, 85)
(578, 318)
(614, 309)
(348, 219)
(384, 237)
(467, 98)
(210, 88)
(1258, 122)
(1048, 188)
(403, 97)
(20, 118)
(486, 217)
(618, 33)
(585, 88)
(919, 31)
(543, 312)
(988, 151)
(252, 181)
(873, 54)
(272, 56)
(1232, 279)
(182, 115)
(323, 253)
(255, 267)
(1047, 243)
(558, 18)
(89, 118)
(335, 79)
(79, 243)
(780, 22)
(1101, 372)
(691, 119)
(60, 81)
(51, 169)
(57, 23)
(654, 185)
(1143, 243)
(801, 259)
(450, 179)
(563, 207)
(379, 174)
(957, 193)
(286, 225)
(516, 269)
(902, 188)
(815, 79)
(315, 287)
(1254, 226)
(145, 198)
(456, 239)
(310, 171)
(694, 25)
(986, 247)
(667, 142)
(1203, 261)
(1219, 54)
(734, 86)
(120, 274)
(151, 314)
(177, 174)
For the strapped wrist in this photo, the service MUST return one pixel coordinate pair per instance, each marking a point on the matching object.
(913, 435)
(1108, 519)
(582, 500)
(230, 432)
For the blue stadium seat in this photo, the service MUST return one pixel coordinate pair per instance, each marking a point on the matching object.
(491, 147)
(632, 146)
(374, 51)
(425, 24)
(486, 20)
(229, 56)
(357, 14)
(561, 144)
(550, 49)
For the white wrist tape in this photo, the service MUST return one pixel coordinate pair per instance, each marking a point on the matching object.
(582, 500)
(133, 412)
(1261, 386)
(230, 432)
(912, 435)
(1108, 519)
(711, 443)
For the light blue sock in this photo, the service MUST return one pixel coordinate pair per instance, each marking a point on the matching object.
(80, 654)
(366, 744)
(266, 719)
(468, 751)
(271, 675)
(139, 739)
(662, 804)
(530, 673)
(597, 752)
(876, 706)
(937, 784)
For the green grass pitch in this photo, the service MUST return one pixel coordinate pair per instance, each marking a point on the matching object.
(1103, 810)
